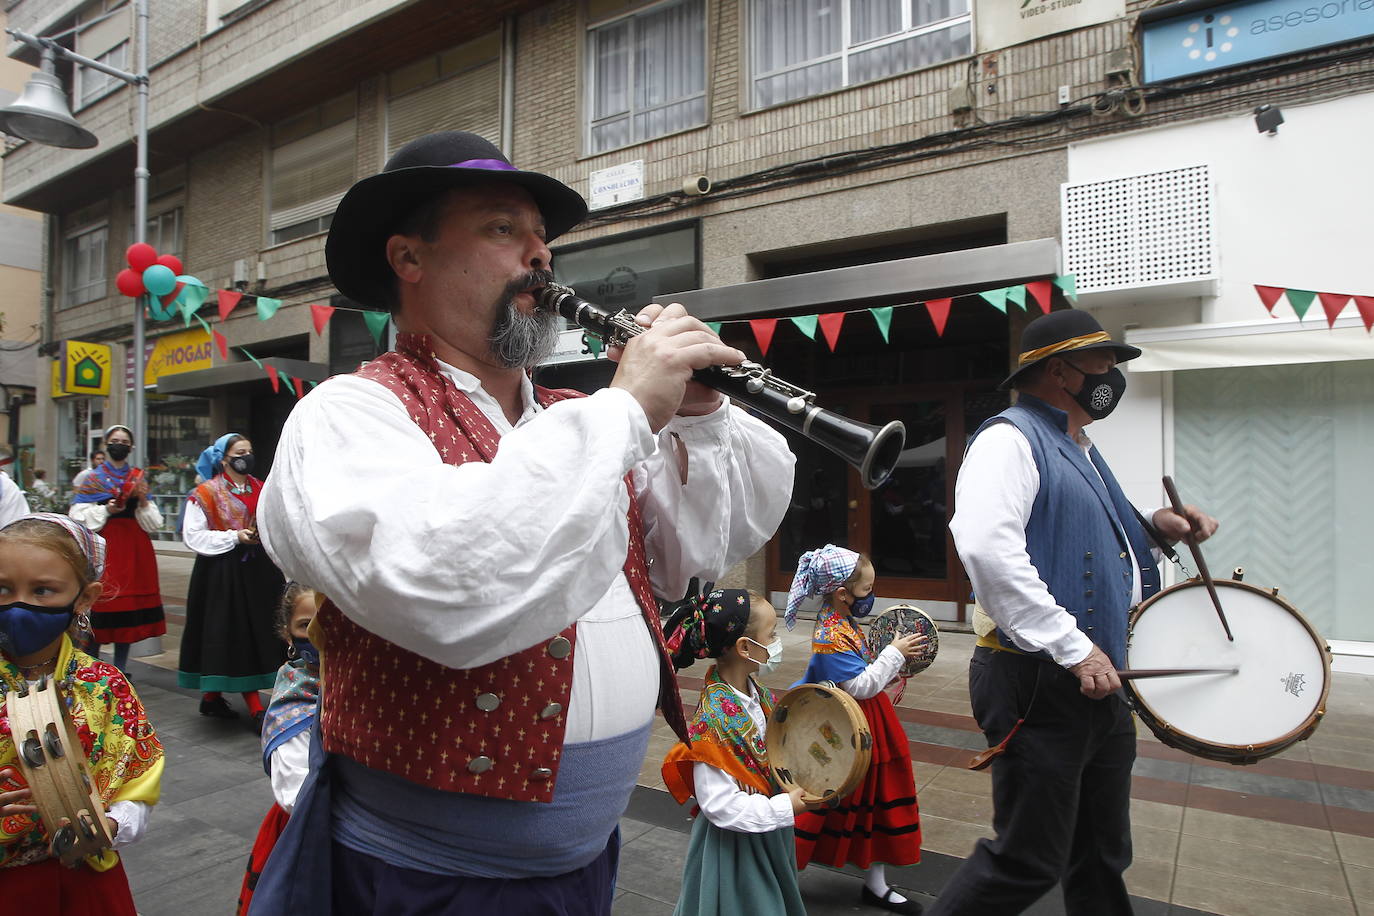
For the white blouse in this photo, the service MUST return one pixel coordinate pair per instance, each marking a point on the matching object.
(725, 804)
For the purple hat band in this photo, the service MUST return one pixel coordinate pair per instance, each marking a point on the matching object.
(494, 164)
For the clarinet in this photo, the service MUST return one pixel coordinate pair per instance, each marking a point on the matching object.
(873, 451)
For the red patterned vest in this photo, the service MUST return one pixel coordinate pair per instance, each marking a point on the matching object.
(496, 730)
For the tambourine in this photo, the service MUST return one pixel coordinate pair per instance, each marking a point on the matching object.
(904, 620)
(54, 765)
(818, 740)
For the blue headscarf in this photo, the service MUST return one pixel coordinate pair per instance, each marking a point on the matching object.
(208, 465)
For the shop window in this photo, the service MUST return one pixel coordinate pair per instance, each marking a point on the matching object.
(83, 265)
(800, 48)
(312, 164)
(646, 74)
(627, 271)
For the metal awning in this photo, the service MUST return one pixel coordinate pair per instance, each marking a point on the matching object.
(207, 383)
(906, 278)
(1262, 342)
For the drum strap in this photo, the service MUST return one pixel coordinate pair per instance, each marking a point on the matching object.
(983, 759)
(1155, 536)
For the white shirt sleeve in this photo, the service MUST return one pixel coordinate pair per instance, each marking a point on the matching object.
(13, 505)
(876, 676)
(197, 535)
(994, 494)
(132, 818)
(147, 515)
(92, 515)
(290, 764)
(729, 807)
(737, 488)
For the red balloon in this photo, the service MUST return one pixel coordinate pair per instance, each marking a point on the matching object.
(141, 256)
(172, 261)
(130, 282)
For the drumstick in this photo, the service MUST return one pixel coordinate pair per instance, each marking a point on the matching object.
(1197, 555)
(1133, 673)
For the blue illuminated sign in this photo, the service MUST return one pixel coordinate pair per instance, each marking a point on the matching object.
(1237, 33)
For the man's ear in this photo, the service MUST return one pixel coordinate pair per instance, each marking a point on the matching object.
(402, 253)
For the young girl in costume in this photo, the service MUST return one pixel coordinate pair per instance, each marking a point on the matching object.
(878, 824)
(50, 569)
(286, 730)
(740, 858)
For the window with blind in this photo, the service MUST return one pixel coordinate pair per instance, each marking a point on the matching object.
(800, 48)
(646, 74)
(313, 160)
(92, 84)
(164, 232)
(83, 265)
(457, 89)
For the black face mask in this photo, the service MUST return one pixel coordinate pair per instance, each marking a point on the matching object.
(118, 450)
(242, 464)
(1101, 391)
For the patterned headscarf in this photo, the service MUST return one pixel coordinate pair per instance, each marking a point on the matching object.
(819, 572)
(91, 544)
(109, 432)
(706, 627)
(208, 465)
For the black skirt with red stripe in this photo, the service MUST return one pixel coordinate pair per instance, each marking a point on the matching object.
(272, 826)
(879, 821)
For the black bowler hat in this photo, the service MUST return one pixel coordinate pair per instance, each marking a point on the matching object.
(372, 210)
(1064, 331)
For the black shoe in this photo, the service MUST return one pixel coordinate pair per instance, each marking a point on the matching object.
(217, 708)
(258, 718)
(906, 906)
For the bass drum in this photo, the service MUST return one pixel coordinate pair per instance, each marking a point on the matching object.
(818, 740)
(1273, 701)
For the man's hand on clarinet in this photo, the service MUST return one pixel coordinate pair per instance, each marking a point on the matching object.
(1096, 675)
(656, 367)
(1174, 527)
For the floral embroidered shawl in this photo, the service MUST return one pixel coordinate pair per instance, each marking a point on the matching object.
(124, 753)
(839, 651)
(295, 698)
(108, 482)
(723, 735)
(223, 510)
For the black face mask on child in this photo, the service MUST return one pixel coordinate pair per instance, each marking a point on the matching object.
(118, 450)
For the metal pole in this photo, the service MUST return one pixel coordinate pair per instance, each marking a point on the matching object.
(140, 418)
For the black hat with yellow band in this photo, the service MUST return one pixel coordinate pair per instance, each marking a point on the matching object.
(1061, 332)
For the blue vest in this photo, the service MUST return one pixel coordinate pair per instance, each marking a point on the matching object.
(1082, 530)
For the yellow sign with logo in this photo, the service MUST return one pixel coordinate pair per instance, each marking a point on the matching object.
(172, 354)
(85, 368)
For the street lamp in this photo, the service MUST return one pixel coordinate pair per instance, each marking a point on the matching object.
(41, 114)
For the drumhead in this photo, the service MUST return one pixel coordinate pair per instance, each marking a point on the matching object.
(903, 619)
(818, 740)
(1283, 667)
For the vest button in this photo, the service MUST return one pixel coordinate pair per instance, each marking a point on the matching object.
(1088, 555)
(1088, 574)
(1090, 610)
(1123, 554)
(541, 774)
(559, 647)
(488, 701)
(1090, 629)
(479, 764)
(548, 712)
(1087, 593)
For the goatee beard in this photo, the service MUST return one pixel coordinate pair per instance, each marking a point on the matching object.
(519, 340)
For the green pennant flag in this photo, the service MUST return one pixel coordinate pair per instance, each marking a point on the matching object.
(997, 298)
(1017, 295)
(204, 324)
(257, 362)
(285, 381)
(1068, 286)
(592, 343)
(192, 298)
(311, 382)
(376, 324)
(715, 326)
(267, 307)
(1300, 299)
(883, 315)
(806, 324)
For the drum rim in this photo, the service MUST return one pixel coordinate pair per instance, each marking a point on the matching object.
(862, 757)
(1248, 753)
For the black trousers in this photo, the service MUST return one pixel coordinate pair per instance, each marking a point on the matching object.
(1061, 794)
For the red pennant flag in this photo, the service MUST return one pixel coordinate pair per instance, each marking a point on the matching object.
(1366, 306)
(1270, 295)
(272, 374)
(763, 332)
(227, 301)
(222, 343)
(1332, 303)
(830, 327)
(1040, 289)
(320, 314)
(300, 388)
(939, 314)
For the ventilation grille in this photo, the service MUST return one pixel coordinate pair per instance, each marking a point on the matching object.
(1142, 230)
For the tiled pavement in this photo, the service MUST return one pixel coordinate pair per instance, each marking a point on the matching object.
(1293, 834)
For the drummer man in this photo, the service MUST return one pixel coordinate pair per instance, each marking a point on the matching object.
(1057, 557)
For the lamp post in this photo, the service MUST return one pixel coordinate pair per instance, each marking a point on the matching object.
(41, 114)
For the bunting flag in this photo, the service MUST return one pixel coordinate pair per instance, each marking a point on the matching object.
(300, 389)
(257, 362)
(1067, 286)
(763, 332)
(939, 314)
(830, 326)
(1301, 300)
(806, 324)
(222, 344)
(997, 298)
(1017, 295)
(590, 341)
(883, 315)
(1269, 295)
(192, 298)
(715, 326)
(1366, 306)
(227, 301)
(1040, 289)
(271, 374)
(267, 307)
(320, 315)
(1332, 304)
(376, 323)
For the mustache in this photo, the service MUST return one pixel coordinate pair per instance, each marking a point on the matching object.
(526, 281)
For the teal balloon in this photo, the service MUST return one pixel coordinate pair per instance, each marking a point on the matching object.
(159, 280)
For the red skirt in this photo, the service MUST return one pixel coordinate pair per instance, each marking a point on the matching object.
(49, 888)
(879, 821)
(131, 607)
(272, 826)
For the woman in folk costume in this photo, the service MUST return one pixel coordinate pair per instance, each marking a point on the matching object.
(50, 569)
(879, 823)
(740, 858)
(230, 642)
(113, 500)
